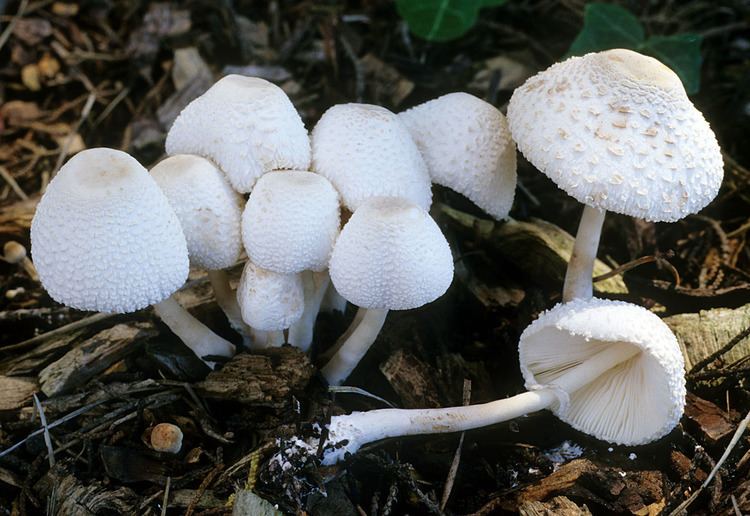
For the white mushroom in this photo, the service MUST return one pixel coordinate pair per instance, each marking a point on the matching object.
(166, 438)
(616, 131)
(466, 144)
(105, 238)
(390, 256)
(210, 212)
(610, 369)
(247, 126)
(366, 151)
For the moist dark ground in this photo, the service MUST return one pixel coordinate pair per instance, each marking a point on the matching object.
(99, 73)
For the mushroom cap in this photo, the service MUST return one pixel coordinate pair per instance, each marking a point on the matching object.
(291, 221)
(616, 130)
(270, 301)
(13, 252)
(367, 151)
(391, 255)
(104, 236)
(208, 208)
(635, 402)
(247, 126)
(466, 144)
(166, 438)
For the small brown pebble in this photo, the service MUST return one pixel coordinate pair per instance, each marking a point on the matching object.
(166, 437)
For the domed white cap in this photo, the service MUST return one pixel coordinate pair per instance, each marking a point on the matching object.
(209, 210)
(270, 301)
(616, 130)
(291, 221)
(635, 402)
(466, 144)
(391, 255)
(247, 126)
(367, 151)
(104, 236)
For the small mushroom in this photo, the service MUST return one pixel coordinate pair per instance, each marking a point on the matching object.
(105, 238)
(166, 438)
(390, 256)
(466, 144)
(247, 126)
(617, 132)
(610, 369)
(367, 151)
(15, 254)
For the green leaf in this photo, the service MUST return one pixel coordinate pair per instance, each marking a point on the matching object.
(680, 52)
(492, 3)
(607, 26)
(439, 20)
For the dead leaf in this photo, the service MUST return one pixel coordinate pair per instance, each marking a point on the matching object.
(30, 76)
(64, 9)
(48, 66)
(18, 112)
(32, 30)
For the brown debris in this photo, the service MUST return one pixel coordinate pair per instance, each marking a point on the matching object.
(713, 423)
(15, 392)
(412, 379)
(558, 506)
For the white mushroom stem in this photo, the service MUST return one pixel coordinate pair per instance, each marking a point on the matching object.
(227, 300)
(333, 301)
(360, 428)
(579, 276)
(196, 335)
(330, 352)
(355, 347)
(301, 332)
(266, 339)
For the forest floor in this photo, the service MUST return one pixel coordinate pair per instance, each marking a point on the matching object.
(88, 74)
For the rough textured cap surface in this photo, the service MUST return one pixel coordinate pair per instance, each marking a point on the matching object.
(367, 151)
(617, 131)
(270, 301)
(209, 209)
(247, 126)
(391, 255)
(291, 221)
(637, 401)
(104, 236)
(466, 144)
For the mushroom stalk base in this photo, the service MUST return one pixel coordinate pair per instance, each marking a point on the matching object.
(579, 276)
(360, 428)
(196, 335)
(355, 347)
(227, 301)
(265, 339)
(301, 332)
(330, 352)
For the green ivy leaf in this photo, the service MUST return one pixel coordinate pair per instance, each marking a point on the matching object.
(680, 52)
(607, 26)
(439, 20)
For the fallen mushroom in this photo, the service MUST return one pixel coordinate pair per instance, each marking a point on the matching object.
(610, 369)
(617, 132)
(166, 438)
(15, 254)
(105, 238)
(466, 144)
(390, 256)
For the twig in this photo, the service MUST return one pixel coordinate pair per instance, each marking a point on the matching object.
(638, 262)
(12, 25)
(68, 328)
(45, 428)
(457, 456)
(13, 183)
(725, 348)
(202, 489)
(165, 502)
(337, 389)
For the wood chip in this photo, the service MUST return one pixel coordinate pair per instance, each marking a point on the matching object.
(713, 423)
(558, 506)
(15, 392)
(412, 379)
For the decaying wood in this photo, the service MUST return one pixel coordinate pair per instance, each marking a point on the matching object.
(15, 392)
(711, 421)
(413, 380)
(558, 506)
(265, 378)
(700, 334)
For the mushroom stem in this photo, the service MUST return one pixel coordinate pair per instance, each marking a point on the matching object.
(578, 277)
(330, 352)
(266, 339)
(333, 301)
(196, 335)
(227, 300)
(315, 285)
(354, 348)
(360, 428)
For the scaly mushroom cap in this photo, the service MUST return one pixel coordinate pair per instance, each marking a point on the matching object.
(467, 146)
(616, 130)
(104, 236)
(635, 402)
(270, 301)
(247, 126)
(291, 221)
(366, 151)
(209, 210)
(391, 255)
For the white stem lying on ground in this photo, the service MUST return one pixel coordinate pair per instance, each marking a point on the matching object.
(349, 433)
(193, 333)
(301, 332)
(579, 276)
(260, 339)
(227, 301)
(355, 347)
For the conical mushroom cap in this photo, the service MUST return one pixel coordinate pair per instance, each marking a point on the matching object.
(104, 236)
(391, 255)
(616, 130)
(367, 151)
(291, 221)
(209, 209)
(270, 301)
(247, 126)
(466, 144)
(635, 402)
